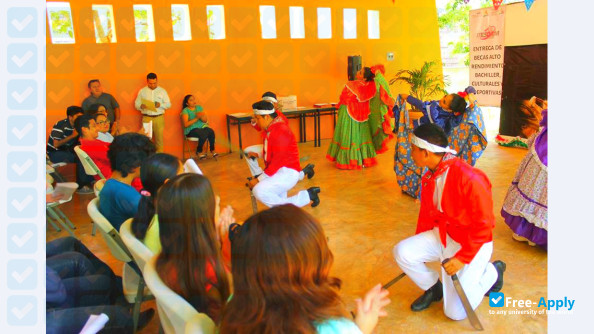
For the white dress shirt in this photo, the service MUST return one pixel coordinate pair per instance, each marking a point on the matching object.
(157, 95)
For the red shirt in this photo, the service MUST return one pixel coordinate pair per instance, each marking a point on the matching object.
(97, 151)
(467, 206)
(280, 147)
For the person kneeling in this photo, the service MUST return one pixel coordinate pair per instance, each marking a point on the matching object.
(281, 157)
(455, 222)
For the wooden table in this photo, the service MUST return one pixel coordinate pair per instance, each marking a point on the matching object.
(301, 113)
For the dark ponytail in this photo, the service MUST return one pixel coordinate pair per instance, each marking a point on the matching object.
(368, 74)
(458, 104)
(153, 173)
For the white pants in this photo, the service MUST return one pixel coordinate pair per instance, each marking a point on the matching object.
(272, 190)
(253, 164)
(476, 278)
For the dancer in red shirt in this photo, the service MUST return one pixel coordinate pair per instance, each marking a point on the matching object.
(281, 159)
(455, 222)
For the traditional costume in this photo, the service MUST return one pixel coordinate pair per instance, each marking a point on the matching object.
(282, 170)
(469, 139)
(363, 126)
(455, 220)
(525, 205)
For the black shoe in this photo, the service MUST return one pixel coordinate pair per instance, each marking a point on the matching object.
(249, 178)
(433, 294)
(313, 196)
(144, 318)
(500, 267)
(309, 170)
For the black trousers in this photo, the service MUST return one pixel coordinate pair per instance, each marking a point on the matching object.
(202, 135)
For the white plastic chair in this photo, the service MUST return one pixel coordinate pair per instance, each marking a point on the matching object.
(133, 282)
(140, 252)
(196, 325)
(88, 164)
(97, 188)
(175, 313)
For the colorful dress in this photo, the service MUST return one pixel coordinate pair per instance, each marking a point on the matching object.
(468, 139)
(363, 124)
(525, 205)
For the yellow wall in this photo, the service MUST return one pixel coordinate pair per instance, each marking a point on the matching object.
(228, 75)
(524, 27)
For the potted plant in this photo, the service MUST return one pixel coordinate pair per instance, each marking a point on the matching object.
(424, 83)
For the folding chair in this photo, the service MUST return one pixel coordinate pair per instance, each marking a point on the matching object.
(92, 170)
(188, 150)
(175, 313)
(139, 251)
(132, 279)
(54, 214)
(188, 143)
(88, 164)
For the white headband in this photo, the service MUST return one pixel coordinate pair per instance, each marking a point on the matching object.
(420, 143)
(263, 112)
(269, 99)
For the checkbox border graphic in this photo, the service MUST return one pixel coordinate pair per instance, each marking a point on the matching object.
(499, 296)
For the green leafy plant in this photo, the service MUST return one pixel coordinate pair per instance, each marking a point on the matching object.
(423, 82)
(456, 17)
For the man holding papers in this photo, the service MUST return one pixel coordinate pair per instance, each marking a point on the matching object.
(152, 101)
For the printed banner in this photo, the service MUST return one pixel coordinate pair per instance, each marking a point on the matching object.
(486, 54)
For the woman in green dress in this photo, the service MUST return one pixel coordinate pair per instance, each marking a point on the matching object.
(363, 126)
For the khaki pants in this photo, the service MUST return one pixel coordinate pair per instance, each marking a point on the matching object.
(158, 126)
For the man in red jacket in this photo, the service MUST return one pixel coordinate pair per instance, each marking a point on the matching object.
(281, 158)
(455, 222)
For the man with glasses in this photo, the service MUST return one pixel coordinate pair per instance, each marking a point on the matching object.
(103, 124)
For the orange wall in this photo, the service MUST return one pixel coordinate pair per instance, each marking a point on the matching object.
(228, 75)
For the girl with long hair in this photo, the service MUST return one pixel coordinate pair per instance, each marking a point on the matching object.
(193, 233)
(281, 272)
(196, 125)
(154, 172)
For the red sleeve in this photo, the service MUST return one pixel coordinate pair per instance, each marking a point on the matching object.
(256, 126)
(279, 147)
(97, 151)
(479, 206)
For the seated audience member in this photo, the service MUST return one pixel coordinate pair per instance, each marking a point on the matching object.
(118, 200)
(103, 124)
(192, 233)
(96, 149)
(154, 172)
(79, 284)
(60, 147)
(71, 259)
(281, 264)
(196, 125)
(98, 97)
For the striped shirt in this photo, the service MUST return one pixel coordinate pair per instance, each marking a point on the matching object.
(61, 130)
